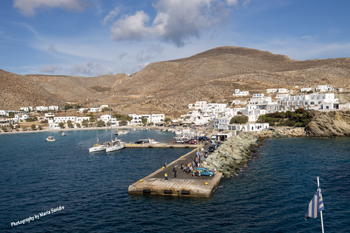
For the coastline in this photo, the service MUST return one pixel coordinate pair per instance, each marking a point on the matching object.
(67, 129)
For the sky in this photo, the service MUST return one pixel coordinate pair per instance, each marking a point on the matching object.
(96, 37)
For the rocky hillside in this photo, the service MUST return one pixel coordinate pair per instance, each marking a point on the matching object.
(329, 124)
(170, 86)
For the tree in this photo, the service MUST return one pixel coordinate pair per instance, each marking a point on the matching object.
(123, 122)
(61, 125)
(167, 120)
(4, 129)
(40, 127)
(78, 125)
(239, 119)
(144, 121)
(69, 123)
(33, 127)
(85, 123)
(109, 123)
(100, 123)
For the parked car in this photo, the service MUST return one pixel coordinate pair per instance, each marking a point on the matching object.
(211, 148)
(191, 141)
(204, 171)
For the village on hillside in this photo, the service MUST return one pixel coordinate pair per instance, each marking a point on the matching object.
(237, 115)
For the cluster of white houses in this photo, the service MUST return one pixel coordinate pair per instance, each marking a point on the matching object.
(202, 112)
(136, 120)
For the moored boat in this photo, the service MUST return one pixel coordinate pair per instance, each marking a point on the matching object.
(50, 139)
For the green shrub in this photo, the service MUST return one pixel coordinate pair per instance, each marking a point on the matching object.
(239, 119)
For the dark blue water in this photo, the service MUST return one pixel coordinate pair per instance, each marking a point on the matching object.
(271, 195)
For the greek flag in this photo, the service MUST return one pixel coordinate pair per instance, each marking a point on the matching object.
(315, 206)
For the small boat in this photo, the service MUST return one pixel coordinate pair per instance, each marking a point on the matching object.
(121, 132)
(50, 139)
(64, 134)
(146, 141)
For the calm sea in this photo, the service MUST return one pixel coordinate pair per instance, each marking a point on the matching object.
(271, 195)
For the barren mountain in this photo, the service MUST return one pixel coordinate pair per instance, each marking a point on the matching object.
(170, 86)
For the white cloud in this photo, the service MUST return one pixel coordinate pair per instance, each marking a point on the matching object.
(28, 7)
(50, 69)
(232, 2)
(176, 20)
(246, 2)
(132, 27)
(91, 69)
(112, 14)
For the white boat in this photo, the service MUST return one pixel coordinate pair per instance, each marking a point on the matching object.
(149, 141)
(114, 146)
(97, 148)
(64, 134)
(50, 139)
(121, 132)
(178, 132)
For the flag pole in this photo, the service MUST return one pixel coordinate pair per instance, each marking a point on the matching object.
(318, 185)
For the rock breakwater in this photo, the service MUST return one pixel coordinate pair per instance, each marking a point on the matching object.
(232, 154)
(282, 132)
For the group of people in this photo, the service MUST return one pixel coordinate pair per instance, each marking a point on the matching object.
(189, 168)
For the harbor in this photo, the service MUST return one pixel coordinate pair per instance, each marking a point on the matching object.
(160, 145)
(182, 185)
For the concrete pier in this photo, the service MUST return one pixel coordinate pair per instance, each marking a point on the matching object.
(160, 145)
(181, 185)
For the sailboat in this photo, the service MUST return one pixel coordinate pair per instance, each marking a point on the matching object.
(98, 146)
(114, 145)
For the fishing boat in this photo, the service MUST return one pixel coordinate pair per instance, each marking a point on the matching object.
(50, 139)
(64, 134)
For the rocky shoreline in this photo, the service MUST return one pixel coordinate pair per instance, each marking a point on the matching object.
(233, 154)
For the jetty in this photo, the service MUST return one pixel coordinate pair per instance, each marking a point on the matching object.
(159, 145)
(182, 185)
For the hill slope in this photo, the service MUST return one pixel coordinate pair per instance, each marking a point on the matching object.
(170, 85)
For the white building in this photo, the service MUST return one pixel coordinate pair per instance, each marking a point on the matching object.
(324, 88)
(53, 108)
(250, 127)
(21, 117)
(157, 118)
(283, 90)
(271, 91)
(81, 110)
(243, 93)
(223, 123)
(103, 106)
(64, 119)
(305, 89)
(310, 101)
(94, 110)
(49, 115)
(198, 105)
(4, 113)
(41, 108)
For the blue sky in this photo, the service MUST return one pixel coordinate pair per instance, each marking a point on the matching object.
(96, 37)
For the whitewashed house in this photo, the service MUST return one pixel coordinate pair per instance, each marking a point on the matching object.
(305, 89)
(53, 108)
(324, 88)
(223, 123)
(4, 113)
(249, 127)
(95, 110)
(271, 90)
(242, 93)
(157, 118)
(21, 117)
(49, 115)
(283, 90)
(81, 110)
(41, 108)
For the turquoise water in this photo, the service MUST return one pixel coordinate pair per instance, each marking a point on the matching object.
(271, 195)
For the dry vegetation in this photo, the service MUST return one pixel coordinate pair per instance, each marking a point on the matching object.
(170, 86)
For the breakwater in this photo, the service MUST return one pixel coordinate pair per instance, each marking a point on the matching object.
(232, 154)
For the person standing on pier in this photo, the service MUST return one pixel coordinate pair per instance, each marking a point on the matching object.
(174, 170)
(166, 176)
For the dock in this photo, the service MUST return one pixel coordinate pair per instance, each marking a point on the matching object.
(181, 185)
(159, 145)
